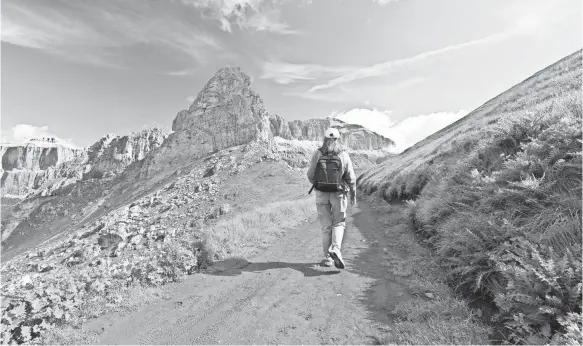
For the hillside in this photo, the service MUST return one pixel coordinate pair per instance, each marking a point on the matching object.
(497, 195)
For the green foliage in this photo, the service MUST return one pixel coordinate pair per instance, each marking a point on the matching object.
(542, 289)
(505, 218)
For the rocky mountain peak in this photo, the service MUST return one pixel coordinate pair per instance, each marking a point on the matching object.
(227, 82)
(225, 113)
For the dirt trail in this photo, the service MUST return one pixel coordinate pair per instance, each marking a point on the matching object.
(281, 296)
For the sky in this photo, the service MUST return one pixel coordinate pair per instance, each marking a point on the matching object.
(80, 69)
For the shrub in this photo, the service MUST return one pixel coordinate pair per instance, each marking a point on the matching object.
(543, 290)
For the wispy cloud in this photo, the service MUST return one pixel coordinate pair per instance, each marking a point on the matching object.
(269, 21)
(180, 73)
(351, 94)
(524, 19)
(390, 66)
(286, 73)
(384, 2)
(95, 32)
(328, 97)
(256, 15)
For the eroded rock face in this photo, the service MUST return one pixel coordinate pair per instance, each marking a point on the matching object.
(112, 154)
(227, 112)
(353, 136)
(32, 165)
(45, 165)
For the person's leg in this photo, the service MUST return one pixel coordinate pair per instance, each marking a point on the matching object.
(325, 216)
(339, 204)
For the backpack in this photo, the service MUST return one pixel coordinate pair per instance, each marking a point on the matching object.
(328, 173)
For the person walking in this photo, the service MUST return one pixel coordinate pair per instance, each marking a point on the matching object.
(332, 175)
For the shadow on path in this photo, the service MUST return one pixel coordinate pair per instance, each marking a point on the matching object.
(236, 266)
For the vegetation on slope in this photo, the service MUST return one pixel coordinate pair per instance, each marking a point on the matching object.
(501, 204)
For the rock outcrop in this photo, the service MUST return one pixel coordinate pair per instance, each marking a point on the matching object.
(112, 154)
(354, 136)
(47, 164)
(33, 165)
(227, 112)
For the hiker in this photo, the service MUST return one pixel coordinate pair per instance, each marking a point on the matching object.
(332, 175)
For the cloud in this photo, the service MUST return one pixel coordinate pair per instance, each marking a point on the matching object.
(373, 93)
(270, 22)
(525, 19)
(329, 97)
(373, 119)
(384, 2)
(184, 72)
(390, 66)
(256, 15)
(97, 32)
(22, 133)
(287, 73)
(405, 133)
(191, 99)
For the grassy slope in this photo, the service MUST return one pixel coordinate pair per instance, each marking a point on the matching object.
(498, 197)
(450, 144)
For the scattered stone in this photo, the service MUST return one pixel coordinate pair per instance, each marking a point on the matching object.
(26, 282)
(224, 209)
(109, 241)
(430, 295)
(171, 186)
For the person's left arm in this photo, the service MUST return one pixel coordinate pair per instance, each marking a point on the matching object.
(349, 175)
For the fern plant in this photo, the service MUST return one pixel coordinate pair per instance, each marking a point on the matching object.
(542, 289)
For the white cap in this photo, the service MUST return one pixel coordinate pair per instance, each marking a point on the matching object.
(332, 133)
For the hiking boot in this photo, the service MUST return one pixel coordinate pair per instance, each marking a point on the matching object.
(337, 257)
(327, 262)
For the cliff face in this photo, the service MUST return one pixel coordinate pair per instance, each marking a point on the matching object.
(44, 165)
(112, 154)
(30, 166)
(226, 112)
(353, 136)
